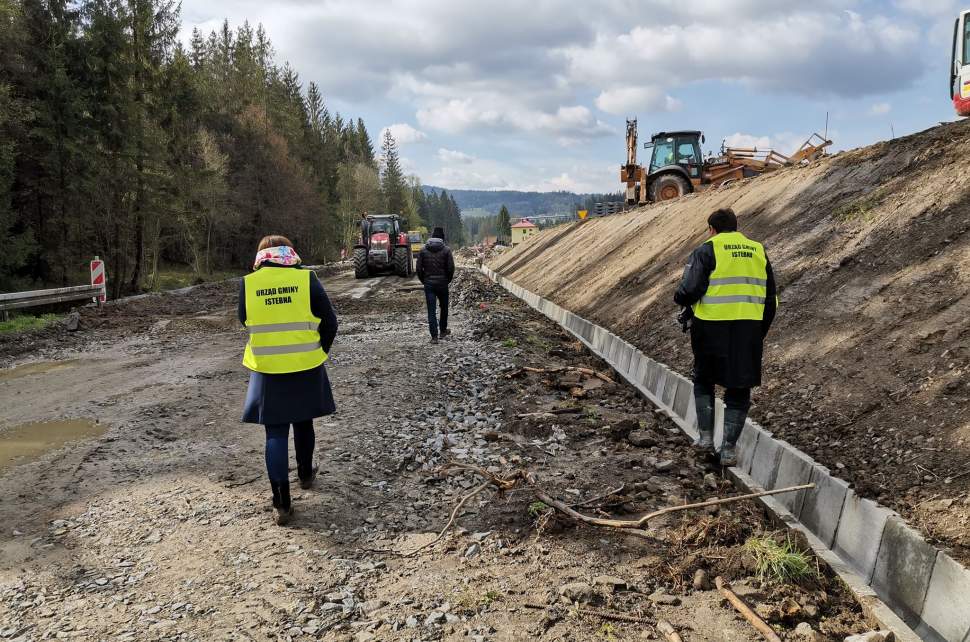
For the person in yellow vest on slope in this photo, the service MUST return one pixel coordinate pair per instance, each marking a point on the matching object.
(729, 287)
(291, 326)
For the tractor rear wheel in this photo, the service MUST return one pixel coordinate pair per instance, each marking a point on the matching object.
(668, 187)
(401, 261)
(360, 263)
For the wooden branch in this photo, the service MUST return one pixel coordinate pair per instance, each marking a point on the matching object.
(586, 371)
(763, 628)
(451, 520)
(612, 615)
(599, 497)
(639, 523)
(669, 631)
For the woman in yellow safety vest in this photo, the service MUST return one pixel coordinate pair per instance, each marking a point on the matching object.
(291, 326)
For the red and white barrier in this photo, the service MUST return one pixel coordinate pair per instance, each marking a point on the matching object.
(98, 278)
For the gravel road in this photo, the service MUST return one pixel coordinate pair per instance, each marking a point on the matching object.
(160, 528)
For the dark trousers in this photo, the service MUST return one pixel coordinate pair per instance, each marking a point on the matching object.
(738, 399)
(433, 294)
(278, 456)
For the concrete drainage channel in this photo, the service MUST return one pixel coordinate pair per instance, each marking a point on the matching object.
(904, 583)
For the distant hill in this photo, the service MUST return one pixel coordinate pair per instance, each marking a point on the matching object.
(474, 202)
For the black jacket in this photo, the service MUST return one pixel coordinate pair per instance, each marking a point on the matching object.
(435, 265)
(727, 353)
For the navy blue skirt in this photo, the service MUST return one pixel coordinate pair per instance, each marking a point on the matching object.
(288, 398)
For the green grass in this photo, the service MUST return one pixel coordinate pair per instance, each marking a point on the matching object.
(858, 211)
(510, 343)
(537, 508)
(174, 278)
(779, 562)
(25, 323)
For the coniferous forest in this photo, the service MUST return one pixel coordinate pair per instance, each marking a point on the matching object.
(119, 140)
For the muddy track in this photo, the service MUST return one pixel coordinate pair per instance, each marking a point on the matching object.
(160, 528)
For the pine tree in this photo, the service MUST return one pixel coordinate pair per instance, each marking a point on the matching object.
(504, 225)
(392, 178)
(365, 147)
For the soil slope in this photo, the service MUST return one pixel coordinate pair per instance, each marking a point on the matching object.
(866, 364)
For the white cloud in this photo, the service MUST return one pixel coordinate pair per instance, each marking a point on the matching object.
(784, 142)
(629, 100)
(930, 7)
(747, 140)
(451, 156)
(880, 109)
(567, 123)
(404, 134)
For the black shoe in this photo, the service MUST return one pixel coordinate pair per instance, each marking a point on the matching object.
(307, 481)
(283, 515)
(445, 333)
(434, 340)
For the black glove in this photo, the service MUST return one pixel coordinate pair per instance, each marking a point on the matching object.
(684, 318)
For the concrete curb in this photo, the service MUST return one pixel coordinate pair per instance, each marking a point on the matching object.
(902, 582)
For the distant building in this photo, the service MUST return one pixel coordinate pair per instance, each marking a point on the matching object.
(523, 230)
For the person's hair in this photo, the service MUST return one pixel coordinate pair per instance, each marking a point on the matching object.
(273, 240)
(723, 220)
(438, 233)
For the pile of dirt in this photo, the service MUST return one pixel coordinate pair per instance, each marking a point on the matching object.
(866, 366)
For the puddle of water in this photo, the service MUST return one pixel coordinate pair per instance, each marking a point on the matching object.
(41, 367)
(29, 441)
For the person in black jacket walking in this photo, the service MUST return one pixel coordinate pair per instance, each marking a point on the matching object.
(436, 269)
(728, 288)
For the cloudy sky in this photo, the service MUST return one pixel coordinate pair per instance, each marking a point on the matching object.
(503, 94)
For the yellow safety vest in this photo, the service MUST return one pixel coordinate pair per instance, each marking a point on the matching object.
(739, 283)
(283, 333)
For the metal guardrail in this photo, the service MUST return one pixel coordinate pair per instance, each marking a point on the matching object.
(15, 300)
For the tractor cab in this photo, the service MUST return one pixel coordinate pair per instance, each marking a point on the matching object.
(676, 165)
(677, 149)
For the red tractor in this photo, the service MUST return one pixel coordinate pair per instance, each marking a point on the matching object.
(383, 246)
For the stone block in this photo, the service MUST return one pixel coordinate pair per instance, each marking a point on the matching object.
(660, 381)
(690, 417)
(823, 504)
(636, 367)
(764, 464)
(624, 358)
(718, 422)
(794, 469)
(903, 569)
(946, 609)
(682, 397)
(747, 443)
(859, 533)
(670, 388)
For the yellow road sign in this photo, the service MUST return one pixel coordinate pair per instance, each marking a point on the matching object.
(582, 215)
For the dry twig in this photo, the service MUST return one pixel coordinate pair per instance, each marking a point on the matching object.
(599, 497)
(669, 631)
(586, 371)
(763, 628)
(613, 615)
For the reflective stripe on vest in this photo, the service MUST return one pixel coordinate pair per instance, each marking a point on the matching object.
(283, 332)
(739, 283)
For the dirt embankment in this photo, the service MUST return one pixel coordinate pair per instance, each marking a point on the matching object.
(866, 364)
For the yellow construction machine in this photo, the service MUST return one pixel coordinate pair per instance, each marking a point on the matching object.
(677, 167)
